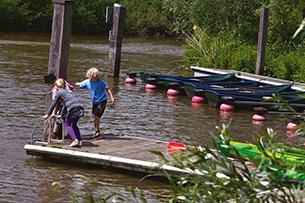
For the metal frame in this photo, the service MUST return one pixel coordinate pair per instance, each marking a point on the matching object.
(47, 132)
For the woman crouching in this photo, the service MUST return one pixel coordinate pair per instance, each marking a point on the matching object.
(74, 111)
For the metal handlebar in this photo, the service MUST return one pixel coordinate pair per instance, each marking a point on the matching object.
(47, 130)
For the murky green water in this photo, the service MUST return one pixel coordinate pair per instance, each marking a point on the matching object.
(137, 112)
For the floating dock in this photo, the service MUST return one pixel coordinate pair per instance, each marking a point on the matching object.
(198, 71)
(115, 151)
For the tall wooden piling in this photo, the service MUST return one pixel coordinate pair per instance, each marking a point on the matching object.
(60, 40)
(115, 37)
(262, 42)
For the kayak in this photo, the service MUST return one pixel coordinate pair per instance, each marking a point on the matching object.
(290, 160)
(260, 155)
(162, 80)
(267, 99)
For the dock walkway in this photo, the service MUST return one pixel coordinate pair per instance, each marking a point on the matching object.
(109, 150)
(198, 71)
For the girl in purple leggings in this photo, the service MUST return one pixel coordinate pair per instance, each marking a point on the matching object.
(74, 111)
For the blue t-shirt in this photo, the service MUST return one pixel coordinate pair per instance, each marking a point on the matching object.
(96, 90)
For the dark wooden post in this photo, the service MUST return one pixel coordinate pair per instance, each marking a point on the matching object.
(60, 40)
(116, 37)
(262, 42)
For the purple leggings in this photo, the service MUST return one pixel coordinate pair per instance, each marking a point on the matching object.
(72, 128)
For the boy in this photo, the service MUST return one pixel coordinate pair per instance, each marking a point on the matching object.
(97, 88)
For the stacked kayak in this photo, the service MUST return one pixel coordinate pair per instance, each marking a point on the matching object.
(166, 81)
(274, 99)
(290, 161)
(196, 85)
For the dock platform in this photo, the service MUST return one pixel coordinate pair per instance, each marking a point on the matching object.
(198, 71)
(115, 151)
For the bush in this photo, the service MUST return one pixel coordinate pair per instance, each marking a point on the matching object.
(288, 65)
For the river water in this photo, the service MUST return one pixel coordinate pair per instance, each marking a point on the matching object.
(136, 112)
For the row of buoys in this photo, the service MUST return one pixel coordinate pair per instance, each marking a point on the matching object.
(258, 116)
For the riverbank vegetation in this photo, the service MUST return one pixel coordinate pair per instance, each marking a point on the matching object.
(219, 179)
(225, 36)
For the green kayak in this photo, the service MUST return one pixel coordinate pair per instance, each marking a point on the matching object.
(291, 159)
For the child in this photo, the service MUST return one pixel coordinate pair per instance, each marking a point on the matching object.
(97, 88)
(49, 79)
(74, 111)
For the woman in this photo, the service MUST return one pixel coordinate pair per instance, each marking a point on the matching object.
(73, 108)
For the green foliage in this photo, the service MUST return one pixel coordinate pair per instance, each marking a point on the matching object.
(281, 28)
(38, 14)
(214, 16)
(225, 51)
(214, 177)
(228, 51)
(89, 17)
(231, 180)
(285, 63)
(12, 16)
(146, 17)
(202, 49)
(161, 17)
(244, 58)
(180, 14)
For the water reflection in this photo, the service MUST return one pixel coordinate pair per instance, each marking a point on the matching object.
(225, 116)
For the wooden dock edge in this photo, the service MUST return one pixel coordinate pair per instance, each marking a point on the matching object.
(198, 71)
(104, 160)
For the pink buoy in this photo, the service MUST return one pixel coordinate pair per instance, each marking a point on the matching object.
(291, 126)
(259, 117)
(130, 80)
(172, 92)
(150, 86)
(198, 99)
(226, 107)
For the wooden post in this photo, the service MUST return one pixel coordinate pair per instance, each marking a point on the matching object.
(262, 42)
(60, 40)
(115, 37)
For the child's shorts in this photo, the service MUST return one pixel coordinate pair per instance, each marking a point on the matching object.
(99, 109)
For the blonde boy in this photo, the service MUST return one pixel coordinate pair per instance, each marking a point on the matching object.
(97, 88)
